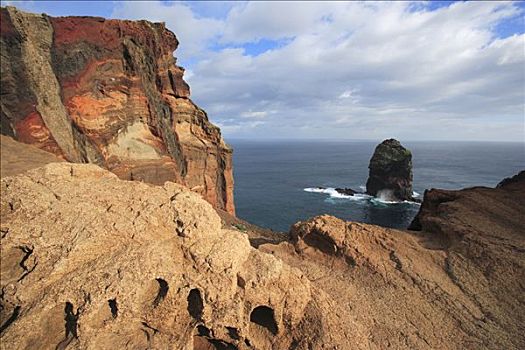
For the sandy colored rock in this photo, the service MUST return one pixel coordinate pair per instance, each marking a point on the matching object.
(109, 92)
(457, 284)
(90, 261)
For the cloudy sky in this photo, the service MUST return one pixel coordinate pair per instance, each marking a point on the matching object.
(345, 70)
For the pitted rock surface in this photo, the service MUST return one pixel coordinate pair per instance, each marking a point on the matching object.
(90, 261)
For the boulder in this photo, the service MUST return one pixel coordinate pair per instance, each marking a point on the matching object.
(346, 191)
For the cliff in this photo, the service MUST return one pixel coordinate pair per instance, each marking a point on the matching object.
(455, 283)
(109, 92)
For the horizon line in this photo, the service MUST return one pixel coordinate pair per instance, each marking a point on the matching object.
(242, 138)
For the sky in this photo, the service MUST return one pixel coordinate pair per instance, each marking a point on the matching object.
(439, 70)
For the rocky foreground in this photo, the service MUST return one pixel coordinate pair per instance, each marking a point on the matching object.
(109, 92)
(90, 261)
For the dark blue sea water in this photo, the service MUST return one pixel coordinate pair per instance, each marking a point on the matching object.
(271, 177)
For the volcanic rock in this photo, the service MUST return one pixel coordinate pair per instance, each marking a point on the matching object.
(390, 173)
(109, 92)
(455, 284)
(90, 261)
(516, 180)
(346, 191)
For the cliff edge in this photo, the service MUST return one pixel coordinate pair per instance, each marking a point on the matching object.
(109, 92)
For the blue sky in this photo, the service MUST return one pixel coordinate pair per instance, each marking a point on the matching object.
(414, 70)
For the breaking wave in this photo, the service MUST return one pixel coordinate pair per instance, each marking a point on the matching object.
(384, 197)
(334, 194)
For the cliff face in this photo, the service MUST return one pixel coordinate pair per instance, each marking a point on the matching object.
(109, 92)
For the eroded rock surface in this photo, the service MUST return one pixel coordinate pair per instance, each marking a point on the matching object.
(109, 92)
(456, 284)
(90, 261)
(390, 175)
(17, 157)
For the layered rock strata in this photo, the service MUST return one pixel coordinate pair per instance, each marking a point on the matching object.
(390, 173)
(109, 92)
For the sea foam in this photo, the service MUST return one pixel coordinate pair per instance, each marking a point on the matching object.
(384, 197)
(334, 194)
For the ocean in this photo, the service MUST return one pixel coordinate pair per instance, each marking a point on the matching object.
(275, 181)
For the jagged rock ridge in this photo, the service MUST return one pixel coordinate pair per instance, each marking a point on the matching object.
(109, 92)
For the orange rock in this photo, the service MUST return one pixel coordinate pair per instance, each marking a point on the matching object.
(109, 92)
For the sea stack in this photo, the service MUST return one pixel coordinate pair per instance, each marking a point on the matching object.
(390, 174)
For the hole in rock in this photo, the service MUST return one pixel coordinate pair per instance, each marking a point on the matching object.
(71, 320)
(233, 333)
(203, 331)
(163, 291)
(264, 316)
(11, 319)
(113, 307)
(222, 345)
(195, 304)
(27, 269)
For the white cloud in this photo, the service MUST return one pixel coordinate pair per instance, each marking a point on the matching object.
(255, 114)
(354, 69)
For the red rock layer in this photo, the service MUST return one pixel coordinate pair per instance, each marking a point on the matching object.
(109, 92)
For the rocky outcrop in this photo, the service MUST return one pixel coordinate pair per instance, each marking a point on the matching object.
(109, 92)
(93, 262)
(390, 175)
(516, 180)
(346, 191)
(455, 284)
